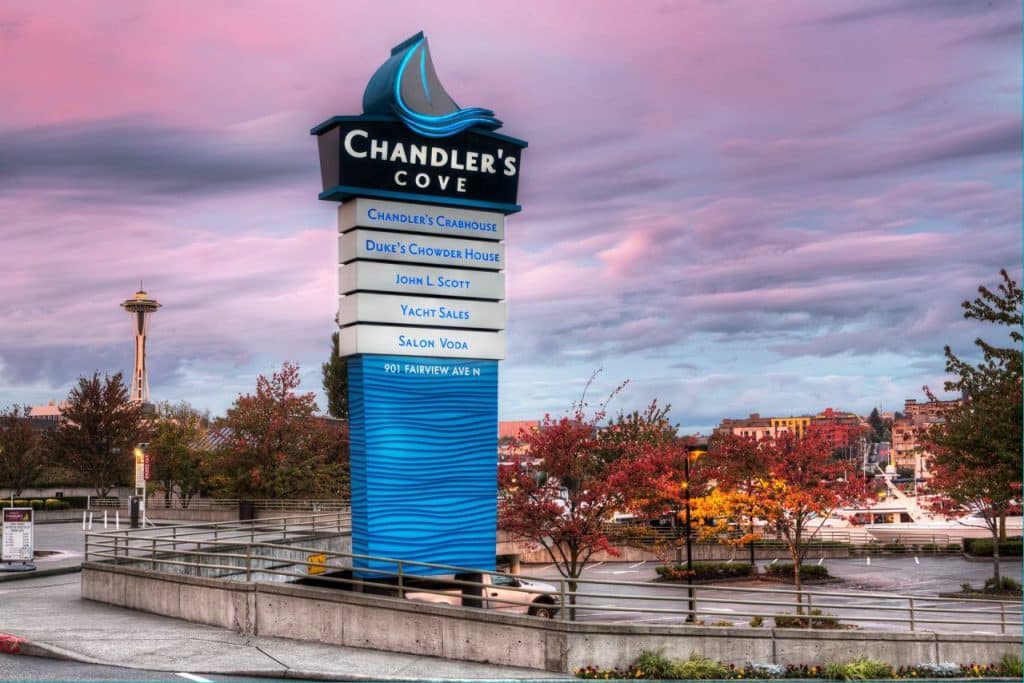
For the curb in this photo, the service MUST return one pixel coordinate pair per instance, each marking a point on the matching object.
(39, 573)
(16, 645)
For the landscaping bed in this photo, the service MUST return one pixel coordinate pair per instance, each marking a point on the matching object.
(655, 665)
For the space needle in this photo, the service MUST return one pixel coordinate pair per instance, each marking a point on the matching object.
(141, 306)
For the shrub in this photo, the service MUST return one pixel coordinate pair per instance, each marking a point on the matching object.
(699, 668)
(1010, 665)
(982, 547)
(654, 664)
(894, 547)
(860, 669)
(55, 504)
(818, 620)
(20, 503)
(36, 504)
(756, 621)
(807, 571)
(953, 547)
(1005, 584)
(721, 622)
(704, 571)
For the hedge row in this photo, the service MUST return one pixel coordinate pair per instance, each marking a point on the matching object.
(704, 571)
(982, 547)
(807, 571)
(37, 503)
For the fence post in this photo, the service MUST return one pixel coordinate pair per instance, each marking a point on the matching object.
(401, 583)
(1002, 617)
(810, 617)
(153, 556)
(116, 559)
(564, 601)
(248, 563)
(911, 601)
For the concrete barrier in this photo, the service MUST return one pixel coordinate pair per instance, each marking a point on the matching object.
(381, 623)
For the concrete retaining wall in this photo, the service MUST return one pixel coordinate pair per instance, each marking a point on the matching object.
(381, 623)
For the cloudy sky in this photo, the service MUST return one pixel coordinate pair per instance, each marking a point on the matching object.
(737, 206)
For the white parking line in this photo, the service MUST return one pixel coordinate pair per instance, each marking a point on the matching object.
(638, 564)
(595, 566)
(718, 609)
(626, 571)
(193, 677)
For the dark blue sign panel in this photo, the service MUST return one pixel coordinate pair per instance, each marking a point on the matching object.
(423, 444)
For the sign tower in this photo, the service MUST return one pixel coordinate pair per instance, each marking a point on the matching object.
(424, 187)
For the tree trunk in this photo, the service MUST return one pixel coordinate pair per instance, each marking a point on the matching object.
(1002, 526)
(795, 556)
(572, 599)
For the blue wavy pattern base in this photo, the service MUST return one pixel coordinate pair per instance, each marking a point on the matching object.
(424, 461)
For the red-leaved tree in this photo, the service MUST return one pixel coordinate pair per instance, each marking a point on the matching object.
(802, 485)
(563, 506)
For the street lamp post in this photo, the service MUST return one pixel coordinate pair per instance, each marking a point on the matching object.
(692, 614)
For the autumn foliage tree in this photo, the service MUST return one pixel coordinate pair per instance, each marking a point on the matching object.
(737, 468)
(564, 506)
(97, 432)
(804, 485)
(662, 477)
(21, 453)
(278, 448)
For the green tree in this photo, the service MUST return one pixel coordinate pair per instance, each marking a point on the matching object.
(881, 430)
(977, 450)
(98, 430)
(278, 447)
(335, 381)
(178, 450)
(21, 453)
(651, 427)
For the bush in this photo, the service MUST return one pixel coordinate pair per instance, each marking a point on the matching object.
(654, 664)
(756, 621)
(1010, 665)
(698, 668)
(20, 503)
(982, 547)
(704, 571)
(55, 504)
(1005, 584)
(818, 620)
(807, 571)
(860, 669)
(36, 504)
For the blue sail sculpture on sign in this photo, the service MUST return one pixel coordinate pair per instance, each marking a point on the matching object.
(406, 86)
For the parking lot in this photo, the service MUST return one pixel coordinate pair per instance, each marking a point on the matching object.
(855, 595)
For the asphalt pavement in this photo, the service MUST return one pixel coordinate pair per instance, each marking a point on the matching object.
(47, 617)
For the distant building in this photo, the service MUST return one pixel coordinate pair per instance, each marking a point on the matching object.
(840, 429)
(755, 426)
(795, 425)
(510, 437)
(908, 433)
(46, 416)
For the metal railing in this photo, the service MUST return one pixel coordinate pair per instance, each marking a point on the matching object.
(855, 539)
(257, 550)
(156, 503)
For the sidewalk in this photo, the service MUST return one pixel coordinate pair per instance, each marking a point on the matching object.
(46, 610)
